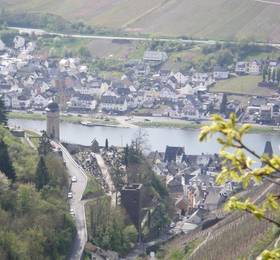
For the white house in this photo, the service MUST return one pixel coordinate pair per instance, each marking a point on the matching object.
(112, 102)
(167, 93)
(181, 78)
(39, 101)
(7, 101)
(254, 68)
(220, 73)
(241, 67)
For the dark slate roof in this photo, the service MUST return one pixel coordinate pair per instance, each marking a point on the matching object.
(171, 152)
(52, 107)
(268, 149)
(220, 69)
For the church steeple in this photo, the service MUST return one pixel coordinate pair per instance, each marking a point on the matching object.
(52, 110)
(268, 149)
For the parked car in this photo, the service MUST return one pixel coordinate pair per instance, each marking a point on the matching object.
(72, 212)
(74, 179)
(70, 195)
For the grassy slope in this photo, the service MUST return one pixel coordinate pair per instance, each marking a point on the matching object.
(242, 85)
(223, 19)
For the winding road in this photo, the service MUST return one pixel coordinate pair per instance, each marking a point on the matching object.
(77, 204)
(177, 40)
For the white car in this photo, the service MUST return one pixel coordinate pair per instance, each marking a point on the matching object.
(74, 179)
(70, 195)
(72, 213)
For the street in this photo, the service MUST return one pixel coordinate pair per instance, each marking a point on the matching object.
(77, 204)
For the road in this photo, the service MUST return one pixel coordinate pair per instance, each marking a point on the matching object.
(77, 204)
(268, 2)
(102, 37)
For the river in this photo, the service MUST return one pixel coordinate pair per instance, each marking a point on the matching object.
(157, 138)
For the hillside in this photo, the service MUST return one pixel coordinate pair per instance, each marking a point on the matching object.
(35, 224)
(215, 19)
(236, 236)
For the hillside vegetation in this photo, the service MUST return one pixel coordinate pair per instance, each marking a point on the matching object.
(215, 19)
(34, 222)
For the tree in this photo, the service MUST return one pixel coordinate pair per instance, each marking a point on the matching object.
(273, 76)
(106, 144)
(126, 151)
(44, 144)
(237, 166)
(5, 162)
(269, 75)
(139, 143)
(84, 53)
(278, 75)
(223, 107)
(264, 72)
(42, 174)
(3, 112)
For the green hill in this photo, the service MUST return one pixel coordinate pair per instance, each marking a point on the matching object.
(215, 19)
(34, 224)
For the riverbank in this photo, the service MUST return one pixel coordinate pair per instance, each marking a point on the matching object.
(75, 119)
(143, 122)
(193, 125)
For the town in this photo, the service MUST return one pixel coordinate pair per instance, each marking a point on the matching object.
(164, 193)
(28, 82)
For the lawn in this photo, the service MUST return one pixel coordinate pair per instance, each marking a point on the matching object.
(93, 189)
(66, 118)
(247, 85)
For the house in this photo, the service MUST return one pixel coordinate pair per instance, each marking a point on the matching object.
(181, 78)
(241, 67)
(255, 104)
(20, 102)
(173, 154)
(7, 100)
(220, 73)
(40, 102)
(93, 88)
(167, 93)
(176, 185)
(82, 103)
(254, 68)
(111, 102)
(155, 57)
(120, 88)
(265, 114)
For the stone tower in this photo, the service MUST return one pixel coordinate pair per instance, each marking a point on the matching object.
(52, 111)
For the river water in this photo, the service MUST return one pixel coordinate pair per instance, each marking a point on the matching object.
(157, 138)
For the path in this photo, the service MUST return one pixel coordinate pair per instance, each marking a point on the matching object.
(76, 203)
(268, 2)
(107, 178)
(81, 36)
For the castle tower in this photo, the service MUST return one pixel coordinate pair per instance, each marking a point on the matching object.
(52, 111)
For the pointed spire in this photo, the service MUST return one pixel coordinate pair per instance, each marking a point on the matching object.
(268, 149)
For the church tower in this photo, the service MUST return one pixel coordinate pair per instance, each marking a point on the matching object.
(52, 111)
